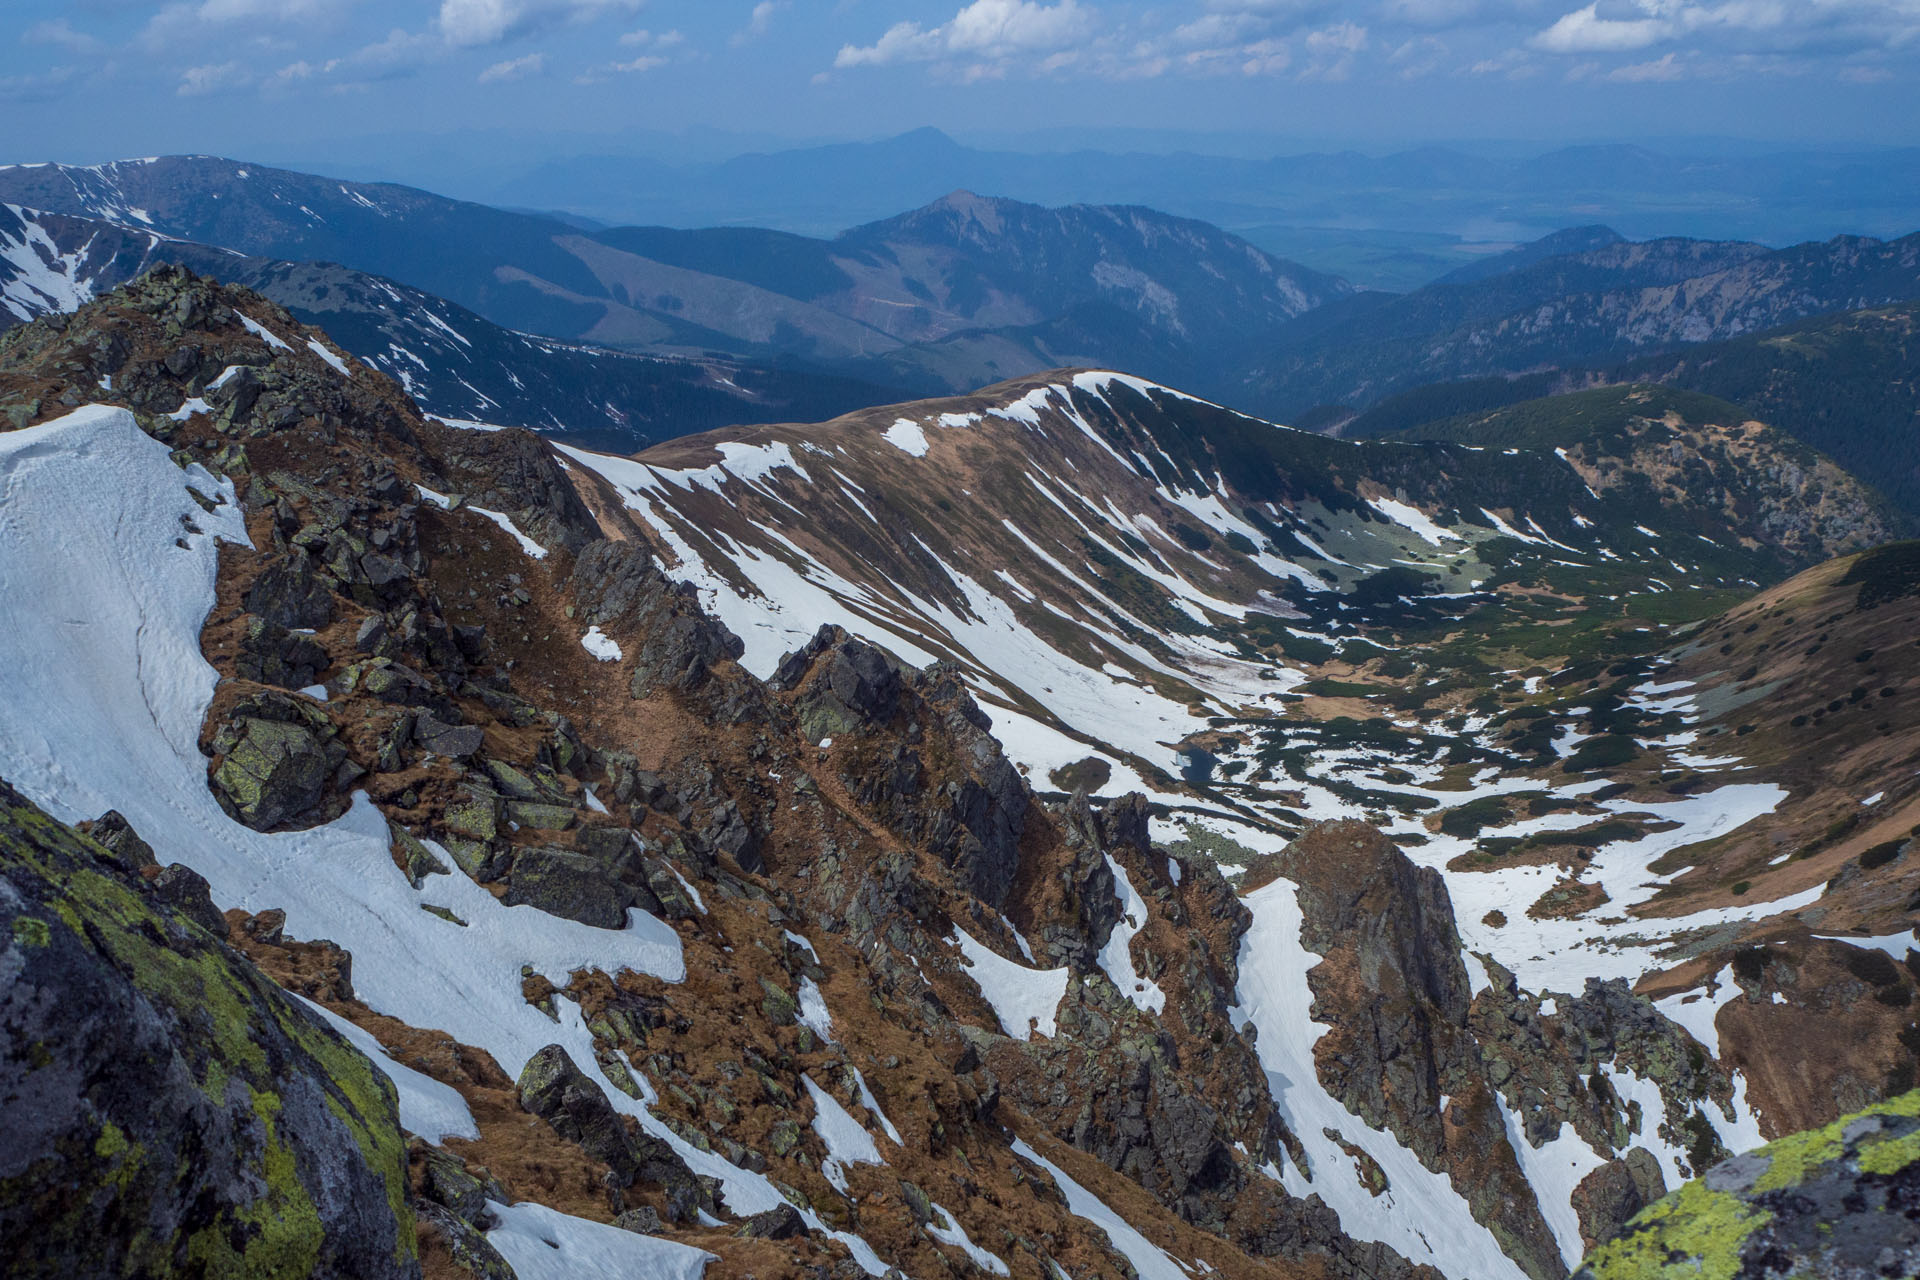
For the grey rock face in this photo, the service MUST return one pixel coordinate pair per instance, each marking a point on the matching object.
(290, 593)
(577, 886)
(554, 1089)
(620, 588)
(239, 1135)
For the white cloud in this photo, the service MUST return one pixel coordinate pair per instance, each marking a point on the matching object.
(301, 10)
(1585, 31)
(1217, 29)
(192, 23)
(60, 34)
(291, 74)
(760, 22)
(44, 87)
(213, 78)
(1665, 67)
(400, 54)
(514, 69)
(985, 31)
(1739, 26)
(1331, 51)
(476, 23)
(1418, 57)
(644, 38)
(902, 42)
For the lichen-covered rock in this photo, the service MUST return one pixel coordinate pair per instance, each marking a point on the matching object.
(113, 832)
(782, 1222)
(276, 757)
(168, 1110)
(1840, 1203)
(454, 741)
(577, 886)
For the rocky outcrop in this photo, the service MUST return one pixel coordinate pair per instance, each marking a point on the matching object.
(1393, 989)
(923, 763)
(514, 471)
(557, 1091)
(168, 1110)
(273, 759)
(1549, 1068)
(1608, 1198)
(620, 589)
(1840, 1202)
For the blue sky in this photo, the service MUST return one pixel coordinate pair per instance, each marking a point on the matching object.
(92, 79)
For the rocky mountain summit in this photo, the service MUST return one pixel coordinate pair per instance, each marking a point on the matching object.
(596, 906)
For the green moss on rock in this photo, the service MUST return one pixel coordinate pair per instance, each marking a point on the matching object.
(1841, 1202)
(172, 1111)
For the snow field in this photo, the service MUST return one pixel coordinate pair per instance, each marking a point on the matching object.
(102, 693)
(906, 436)
(1115, 957)
(544, 1244)
(847, 1140)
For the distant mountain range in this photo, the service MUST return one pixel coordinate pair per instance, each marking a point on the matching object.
(1777, 197)
(1599, 305)
(1847, 384)
(453, 362)
(1054, 285)
(642, 333)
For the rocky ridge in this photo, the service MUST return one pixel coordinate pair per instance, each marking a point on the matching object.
(851, 864)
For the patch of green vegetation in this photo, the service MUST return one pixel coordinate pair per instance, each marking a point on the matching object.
(1327, 688)
(1607, 751)
(1588, 837)
(1881, 854)
(1471, 818)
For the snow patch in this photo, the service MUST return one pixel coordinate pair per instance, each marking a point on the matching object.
(847, 1140)
(1150, 1261)
(263, 333)
(433, 1110)
(601, 645)
(544, 1244)
(1117, 959)
(1408, 517)
(906, 436)
(1019, 996)
(338, 365)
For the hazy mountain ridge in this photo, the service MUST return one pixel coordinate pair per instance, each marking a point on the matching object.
(1581, 309)
(870, 293)
(1779, 197)
(452, 361)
